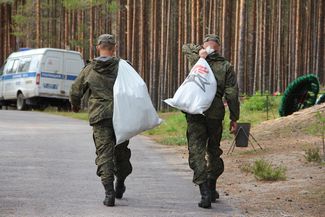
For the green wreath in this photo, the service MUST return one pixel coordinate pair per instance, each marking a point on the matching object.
(321, 99)
(300, 94)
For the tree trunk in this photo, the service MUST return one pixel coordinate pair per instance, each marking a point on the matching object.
(91, 33)
(226, 39)
(38, 23)
(241, 56)
(129, 29)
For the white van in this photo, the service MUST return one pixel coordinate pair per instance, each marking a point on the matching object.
(37, 78)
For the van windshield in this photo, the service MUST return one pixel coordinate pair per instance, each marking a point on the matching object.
(8, 67)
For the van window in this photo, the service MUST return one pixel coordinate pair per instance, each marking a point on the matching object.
(24, 65)
(52, 64)
(14, 67)
(35, 63)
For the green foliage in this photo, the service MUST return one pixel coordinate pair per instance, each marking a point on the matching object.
(18, 22)
(112, 7)
(313, 155)
(76, 4)
(174, 125)
(17, 34)
(174, 140)
(172, 131)
(263, 170)
(24, 19)
(259, 102)
(19, 19)
(7, 1)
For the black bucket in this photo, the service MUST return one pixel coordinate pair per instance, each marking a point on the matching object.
(242, 134)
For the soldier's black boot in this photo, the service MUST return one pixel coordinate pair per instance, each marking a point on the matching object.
(205, 196)
(119, 188)
(109, 195)
(214, 193)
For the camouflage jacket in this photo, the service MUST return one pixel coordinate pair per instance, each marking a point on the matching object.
(97, 79)
(226, 83)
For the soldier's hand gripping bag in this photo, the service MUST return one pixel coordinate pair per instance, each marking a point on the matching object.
(133, 111)
(198, 90)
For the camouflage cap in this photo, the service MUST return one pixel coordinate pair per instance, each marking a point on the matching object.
(211, 37)
(106, 38)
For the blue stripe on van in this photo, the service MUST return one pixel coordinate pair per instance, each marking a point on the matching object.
(71, 77)
(19, 75)
(52, 75)
(33, 74)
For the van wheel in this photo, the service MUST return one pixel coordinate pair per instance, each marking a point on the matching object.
(21, 102)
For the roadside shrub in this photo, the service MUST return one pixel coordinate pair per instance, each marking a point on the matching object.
(263, 170)
(313, 155)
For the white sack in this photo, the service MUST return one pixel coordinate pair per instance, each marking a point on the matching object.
(133, 110)
(198, 90)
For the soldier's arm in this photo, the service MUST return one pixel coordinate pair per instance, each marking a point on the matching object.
(79, 87)
(232, 93)
(191, 51)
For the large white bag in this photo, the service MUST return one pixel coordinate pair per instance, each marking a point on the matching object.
(198, 90)
(133, 111)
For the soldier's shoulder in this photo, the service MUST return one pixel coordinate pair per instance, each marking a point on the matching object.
(226, 63)
(87, 64)
(191, 47)
(88, 67)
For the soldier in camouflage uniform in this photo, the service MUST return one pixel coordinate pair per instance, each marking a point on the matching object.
(97, 80)
(204, 131)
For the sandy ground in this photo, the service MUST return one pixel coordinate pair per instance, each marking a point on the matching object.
(284, 142)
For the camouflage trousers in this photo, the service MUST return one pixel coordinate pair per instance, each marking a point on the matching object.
(203, 137)
(111, 160)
